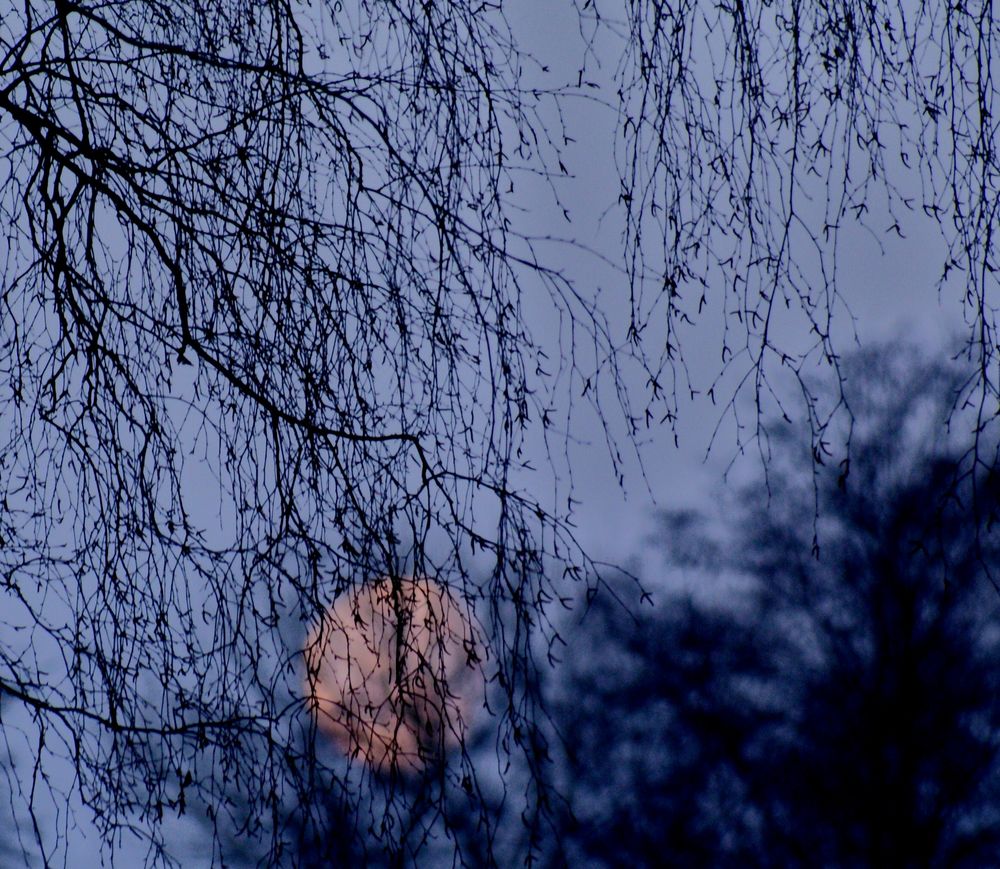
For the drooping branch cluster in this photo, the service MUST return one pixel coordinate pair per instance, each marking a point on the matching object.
(262, 339)
(753, 133)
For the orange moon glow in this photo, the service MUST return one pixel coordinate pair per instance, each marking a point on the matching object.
(392, 670)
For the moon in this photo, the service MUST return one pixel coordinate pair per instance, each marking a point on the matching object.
(393, 669)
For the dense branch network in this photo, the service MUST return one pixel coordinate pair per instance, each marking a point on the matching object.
(263, 339)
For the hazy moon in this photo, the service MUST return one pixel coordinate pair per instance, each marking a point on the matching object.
(393, 672)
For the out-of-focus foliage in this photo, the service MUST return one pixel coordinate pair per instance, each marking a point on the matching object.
(835, 702)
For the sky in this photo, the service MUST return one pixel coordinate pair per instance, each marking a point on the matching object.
(890, 290)
(889, 283)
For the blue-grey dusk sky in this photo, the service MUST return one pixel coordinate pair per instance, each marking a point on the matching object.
(889, 284)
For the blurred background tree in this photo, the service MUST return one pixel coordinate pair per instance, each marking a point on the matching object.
(833, 697)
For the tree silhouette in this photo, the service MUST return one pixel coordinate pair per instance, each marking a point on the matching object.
(897, 761)
(274, 327)
(844, 711)
(655, 730)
